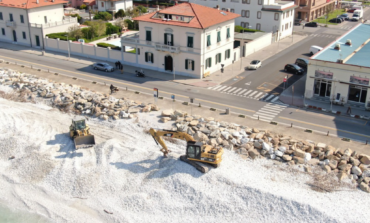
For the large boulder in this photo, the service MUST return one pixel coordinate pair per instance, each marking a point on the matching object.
(298, 160)
(342, 175)
(257, 145)
(364, 187)
(167, 113)
(253, 153)
(180, 113)
(165, 119)
(299, 153)
(194, 123)
(279, 153)
(365, 159)
(266, 146)
(287, 157)
(356, 170)
(333, 164)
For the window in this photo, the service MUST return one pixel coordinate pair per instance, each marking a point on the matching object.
(24, 35)
(208, 62)
(46, 19)
(260, 2)
(283, 15)
(258, 26)
(1, 16)
(102, 4)
(208, 40)
(148, 35)
(168, 39)
(223, 0)
(286, 26)
(189, 64)
(227, 54)
(244, 24)
(11, 17)
(219, 36)
(282, 28)
(149, 57)
(276, 17)
(259, 14)
(138, 51)
(247, 14)
(232, 10)
(244, 1)
(227, 33)
(243, 13)
(22, 19)
(111, 4)
(287, 14)
(190, 41)
(218, 58)
(3, 31)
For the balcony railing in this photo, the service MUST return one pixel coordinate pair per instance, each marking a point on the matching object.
(171, 49)
(10, 23)
(57, 23)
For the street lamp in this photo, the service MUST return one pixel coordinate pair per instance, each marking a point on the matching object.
(69, 55)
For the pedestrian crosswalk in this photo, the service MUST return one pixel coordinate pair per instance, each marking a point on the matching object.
(346, 27)
(242, 92)
(323, 35)
(269, 111)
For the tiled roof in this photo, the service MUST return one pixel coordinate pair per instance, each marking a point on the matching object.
(203, 16)
(28, 4)
(89, 2)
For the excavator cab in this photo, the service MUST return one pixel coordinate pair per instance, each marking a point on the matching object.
(193, 150)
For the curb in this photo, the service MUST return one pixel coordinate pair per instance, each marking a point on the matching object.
(323, 110)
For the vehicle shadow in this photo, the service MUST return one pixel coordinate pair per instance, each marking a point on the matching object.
(67, 149)
(160, 167)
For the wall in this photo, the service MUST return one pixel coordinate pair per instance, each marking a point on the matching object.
(19, 27)
(258, 44)
(53, 13)
(124, 5)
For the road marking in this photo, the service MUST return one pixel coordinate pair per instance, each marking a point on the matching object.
(226, 89)
(231, 89)
(259, 94)
(268, 113)
(245, 94)
(221, 88)
(237, 90)
(269, 97)
(253, 93)
(276, 98)
(340, 130)
(248, 83)
(131, 85)
(242, 91)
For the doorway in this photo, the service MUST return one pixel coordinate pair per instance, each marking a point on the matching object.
(14, 36)
(357, 94)
(37, 41)
(168, 63)
(299, 15)
(322, 88)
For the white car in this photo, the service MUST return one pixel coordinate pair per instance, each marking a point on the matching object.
(103, 66)
(254, 65)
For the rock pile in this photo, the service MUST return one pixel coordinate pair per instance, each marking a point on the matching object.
(255, 143)
(74, 98)
(249, 142)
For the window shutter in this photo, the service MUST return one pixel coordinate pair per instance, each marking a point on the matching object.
(208, 40)
(210, 62)
(216, 58)
(192, 64)
(171, 39)
(165, 38)
(219, 58)
(186, 64)
(152, 57)
(228, 33)
(146, 57)
(148, 35)
(225, 54)
(138, 51)
(218, 36)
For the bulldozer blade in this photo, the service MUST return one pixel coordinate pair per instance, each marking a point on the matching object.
(84, 141)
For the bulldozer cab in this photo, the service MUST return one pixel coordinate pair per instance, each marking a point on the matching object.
(193, 150)
(79, 124)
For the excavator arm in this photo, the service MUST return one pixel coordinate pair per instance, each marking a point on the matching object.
(157, 136)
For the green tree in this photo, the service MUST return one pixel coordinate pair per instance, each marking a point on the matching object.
(83, 6)
(97, 28)
(142, 9)
(103, 16)
(130, 24)
(75, 32)
(120, 14)
(111, 29)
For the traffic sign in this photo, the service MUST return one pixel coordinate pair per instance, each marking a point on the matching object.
(155, 92)
(284, 79)
(173, 97)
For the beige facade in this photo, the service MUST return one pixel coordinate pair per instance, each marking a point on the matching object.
(309, 10)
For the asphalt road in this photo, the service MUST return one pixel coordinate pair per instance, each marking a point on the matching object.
(254, 80)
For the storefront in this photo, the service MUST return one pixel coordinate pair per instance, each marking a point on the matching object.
(323, 83)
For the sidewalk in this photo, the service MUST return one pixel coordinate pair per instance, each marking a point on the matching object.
(214, 79)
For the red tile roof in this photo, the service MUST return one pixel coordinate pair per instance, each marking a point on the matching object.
(28, 4)
(89, 2)
(203, 16)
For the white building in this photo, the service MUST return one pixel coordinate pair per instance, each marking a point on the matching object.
(340, 73)
(26, 22)
(186, 39)
(265, 15)
(113, 5)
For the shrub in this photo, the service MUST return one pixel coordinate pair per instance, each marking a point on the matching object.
(130, 24)
(103, 16)
(83, 6)
(111, 29)
(61, 36)
(120, 14)
(240, 29)
(106, 45)
(142, 9)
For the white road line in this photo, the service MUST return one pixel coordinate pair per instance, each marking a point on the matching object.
(253, 93)
(229, 91)
(215, 88)
(259, 94)
(242, 91)
(275, 99)
(226, 89)
(267, 114)
(262, 96)
(271, 96)
(245, 94)
(275, 106)
(237, 90)
(221, 88)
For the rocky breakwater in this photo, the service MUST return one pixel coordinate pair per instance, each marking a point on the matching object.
(258, 143)
(73, 98)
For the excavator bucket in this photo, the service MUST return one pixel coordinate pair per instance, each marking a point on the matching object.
(84, 141)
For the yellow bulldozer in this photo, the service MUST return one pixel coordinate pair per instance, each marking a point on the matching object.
(196, 153)
(80, 132)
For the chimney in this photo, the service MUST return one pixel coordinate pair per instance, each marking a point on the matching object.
(37, 1)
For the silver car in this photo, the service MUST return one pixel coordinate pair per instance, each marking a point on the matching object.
(103, 66)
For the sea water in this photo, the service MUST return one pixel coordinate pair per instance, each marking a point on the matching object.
(8, 215)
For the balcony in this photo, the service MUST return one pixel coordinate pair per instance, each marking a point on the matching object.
(10, 24)
(166, 48)
(65, 21)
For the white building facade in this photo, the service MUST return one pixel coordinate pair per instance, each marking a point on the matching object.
(27, 24)
(173, 40)
(113, 5)
(265, 15)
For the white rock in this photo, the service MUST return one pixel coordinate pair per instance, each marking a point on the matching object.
(244, 140)
(225, 134)
(307, 157)
(356, 170)
(326, 162)
(272, 156)
(236, 134)
(266, 146)
(282, 149)
(279, 153)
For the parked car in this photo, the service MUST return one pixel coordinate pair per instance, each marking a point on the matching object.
(335, 20)
(345, 16)
(254, 65)
(314, 49)
(103, 66)
(293, 68)
(355, 18)
(311, 24)
(351, 10)
(302, 62)
(297, 22)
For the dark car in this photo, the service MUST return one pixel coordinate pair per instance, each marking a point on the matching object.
(297, 22)
(311, 24)
(335, 20)
(345, 16)
(293, 68)
(302, 62)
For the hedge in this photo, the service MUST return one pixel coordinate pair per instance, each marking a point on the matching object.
(61, 36)
(106, 45)
(239, 29)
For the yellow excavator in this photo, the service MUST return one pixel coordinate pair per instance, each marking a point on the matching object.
(196, 152)
(80, 132)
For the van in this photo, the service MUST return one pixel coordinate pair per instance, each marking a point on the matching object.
(315, 49)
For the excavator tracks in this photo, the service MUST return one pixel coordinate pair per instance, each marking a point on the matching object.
(200, 167)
